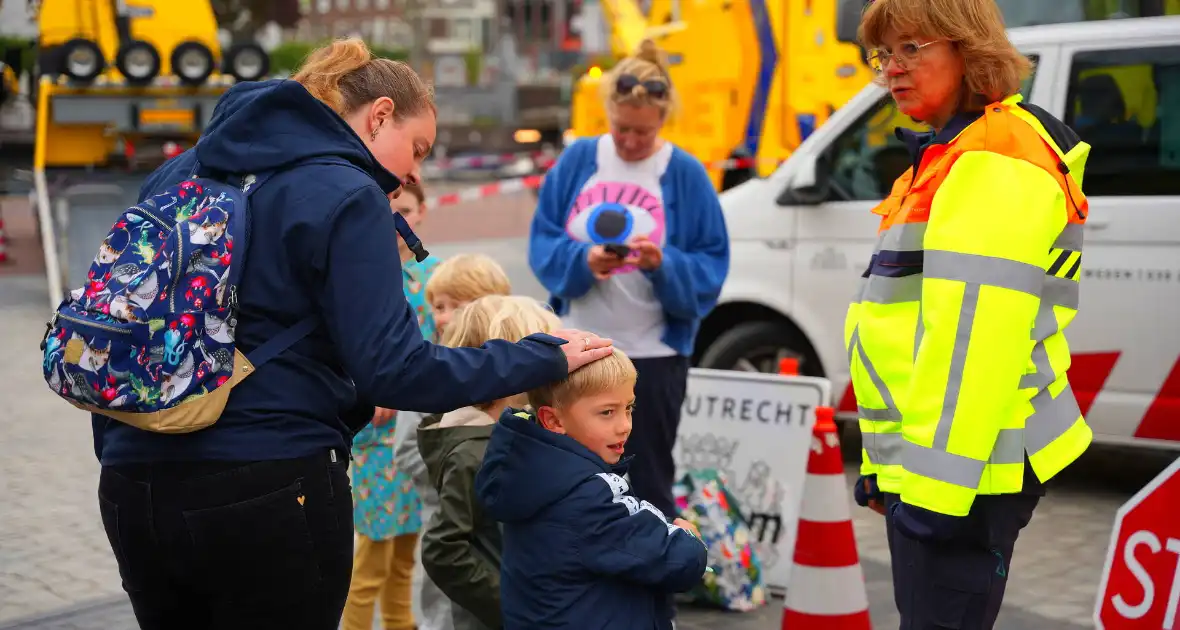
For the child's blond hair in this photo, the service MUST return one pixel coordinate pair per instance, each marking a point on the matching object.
(468, 277)
(614, 370)
(507, 317)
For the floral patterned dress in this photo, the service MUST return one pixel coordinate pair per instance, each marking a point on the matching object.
(385, 503)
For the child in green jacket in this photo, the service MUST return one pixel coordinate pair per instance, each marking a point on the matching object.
(461, 546)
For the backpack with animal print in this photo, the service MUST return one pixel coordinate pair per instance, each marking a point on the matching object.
(149, 340)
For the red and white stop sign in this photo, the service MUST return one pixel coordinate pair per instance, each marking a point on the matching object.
(1141, 581)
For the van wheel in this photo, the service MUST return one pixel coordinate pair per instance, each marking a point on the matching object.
(758, 347)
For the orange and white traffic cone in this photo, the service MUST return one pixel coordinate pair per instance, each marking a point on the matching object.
(3, 243)
(827, 585)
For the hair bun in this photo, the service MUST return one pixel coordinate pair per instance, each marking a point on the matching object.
(650, 52)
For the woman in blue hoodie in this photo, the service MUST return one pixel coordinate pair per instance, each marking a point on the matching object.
(630, 241)
(248, 523)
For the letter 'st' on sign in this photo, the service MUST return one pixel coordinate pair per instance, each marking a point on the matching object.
(1141, 581)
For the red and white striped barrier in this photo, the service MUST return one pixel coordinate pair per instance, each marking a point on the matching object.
(494, 189)
(531, 182)
(479, 161)
(827, 586)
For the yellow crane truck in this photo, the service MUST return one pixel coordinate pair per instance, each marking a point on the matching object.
(121, 85)
(755, 77)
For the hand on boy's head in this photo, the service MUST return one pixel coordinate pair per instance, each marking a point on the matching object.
(583, 347)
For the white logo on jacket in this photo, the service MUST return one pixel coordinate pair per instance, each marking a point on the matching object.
(619, 487)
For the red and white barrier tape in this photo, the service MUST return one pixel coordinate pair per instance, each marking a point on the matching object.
(531, 182)
(494, 189)
(477, 161)
(545, 159)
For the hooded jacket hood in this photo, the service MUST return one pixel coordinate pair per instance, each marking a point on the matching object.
(265, 125)
(440, 434)
(523, 454)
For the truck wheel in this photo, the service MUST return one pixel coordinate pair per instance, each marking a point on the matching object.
(758, 347)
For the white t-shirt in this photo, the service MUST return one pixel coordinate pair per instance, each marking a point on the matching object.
(621, 201)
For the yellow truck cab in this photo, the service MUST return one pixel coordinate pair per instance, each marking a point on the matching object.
(755, 77)
(111, 71)
(121, 86)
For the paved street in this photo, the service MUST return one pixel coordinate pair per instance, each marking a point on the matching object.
(56, 570)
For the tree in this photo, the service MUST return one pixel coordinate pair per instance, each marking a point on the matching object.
(244, 18)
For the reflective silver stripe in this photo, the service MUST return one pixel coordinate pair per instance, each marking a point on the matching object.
(1061, 292)
(886, 397)
(887, 290)
(989, 270)
(888, 448)
(1009, 447)
(943, 466)
(903, 237)
(878, 415)
(1051, 418)
(884, 448)
(1045, 325)
(919, 331)
(1044, 376)
(935, 461)
(860, 290)
(954, 381)
(1070, 238)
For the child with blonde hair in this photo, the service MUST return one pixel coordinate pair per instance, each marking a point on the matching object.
(461, 280)
(454, 283)
(460, 545)
(580, 549)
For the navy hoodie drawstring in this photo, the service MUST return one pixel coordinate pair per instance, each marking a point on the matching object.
(412, 241)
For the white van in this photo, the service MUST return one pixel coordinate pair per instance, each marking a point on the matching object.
(802, 236)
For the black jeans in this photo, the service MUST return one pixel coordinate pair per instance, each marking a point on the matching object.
(659, 394)
(204, 545)
(960, 584)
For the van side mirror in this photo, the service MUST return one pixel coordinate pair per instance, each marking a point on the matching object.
(848, 14)
(811, 185)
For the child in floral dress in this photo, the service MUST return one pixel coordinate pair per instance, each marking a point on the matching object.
(387, 510)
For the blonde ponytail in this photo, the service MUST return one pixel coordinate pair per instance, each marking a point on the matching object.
(344, 75)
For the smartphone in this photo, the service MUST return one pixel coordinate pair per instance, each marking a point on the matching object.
(618, 249)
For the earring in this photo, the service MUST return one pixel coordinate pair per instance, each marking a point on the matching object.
(373, 136)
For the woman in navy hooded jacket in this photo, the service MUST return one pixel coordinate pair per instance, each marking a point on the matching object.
(633, 188)
(248, 523)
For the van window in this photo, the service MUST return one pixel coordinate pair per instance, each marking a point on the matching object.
(868, 157)
(1126, 105)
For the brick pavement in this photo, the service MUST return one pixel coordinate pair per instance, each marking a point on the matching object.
(54, 555)
(115, 614)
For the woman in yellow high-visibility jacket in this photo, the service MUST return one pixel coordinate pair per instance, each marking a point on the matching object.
(956, 337)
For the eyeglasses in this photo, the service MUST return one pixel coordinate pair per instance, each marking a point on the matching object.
(626, 83)
(906, 54)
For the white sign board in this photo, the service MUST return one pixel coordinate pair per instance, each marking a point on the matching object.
(756, 430)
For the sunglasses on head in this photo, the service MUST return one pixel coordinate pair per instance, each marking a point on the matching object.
(626, 83)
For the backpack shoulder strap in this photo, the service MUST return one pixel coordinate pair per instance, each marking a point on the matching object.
(249, 184)
(284, 340)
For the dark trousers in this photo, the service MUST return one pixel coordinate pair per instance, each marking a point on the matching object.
(659, 394)
(223, 545)
(958, 585)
